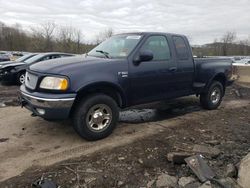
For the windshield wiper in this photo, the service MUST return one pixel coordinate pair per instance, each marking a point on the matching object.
(104, 53)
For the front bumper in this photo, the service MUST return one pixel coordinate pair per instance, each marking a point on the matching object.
(47, 106)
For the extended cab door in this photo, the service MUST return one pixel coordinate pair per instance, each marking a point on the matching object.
(185, 65)
(153, 80)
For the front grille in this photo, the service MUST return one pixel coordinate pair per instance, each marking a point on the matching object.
(30, 80)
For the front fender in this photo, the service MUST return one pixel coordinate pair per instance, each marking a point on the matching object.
(102, 86)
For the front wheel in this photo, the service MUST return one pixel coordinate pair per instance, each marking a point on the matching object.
(21, 78)
(212, 98)
(96, 117)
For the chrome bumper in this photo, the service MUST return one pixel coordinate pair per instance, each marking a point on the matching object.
(48, 102)
(47, 105)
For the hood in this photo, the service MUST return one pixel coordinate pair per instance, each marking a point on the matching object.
(10, 64)
(65, 65)
(6, 62)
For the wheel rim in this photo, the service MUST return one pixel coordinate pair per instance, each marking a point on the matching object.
(99, 117)
(215, 95)
(22, 78)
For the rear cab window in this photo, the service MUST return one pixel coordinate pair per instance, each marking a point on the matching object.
(181, 48)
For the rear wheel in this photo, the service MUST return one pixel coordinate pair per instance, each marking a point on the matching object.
(212, 98)
(21, 78)
(96, 117)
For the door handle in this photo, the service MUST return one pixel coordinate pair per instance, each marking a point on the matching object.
(173, 69)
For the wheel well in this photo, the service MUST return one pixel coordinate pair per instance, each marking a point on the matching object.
(222, 79)
(106, 89)
(20, 72)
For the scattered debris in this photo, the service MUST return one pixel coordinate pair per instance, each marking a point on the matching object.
(12, 102)
(237, 93)
(3, 139)
(207, 184)
(140, 161)
(203, 172)
(200, 168)
(178, 157)
(150, 183)
(213, 142)
(165, 180)
(206, 150)
(2, 105)
(244, 172)
(193, 185)
(231, 171)
(43, 183)
(121, 158)
(88, 180)
(89, 170)
(230, 183)
(120, 183)
(183, 181)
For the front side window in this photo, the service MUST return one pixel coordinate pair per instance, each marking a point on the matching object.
(159, 47)
(181, 48)
(34, 59)
(118, 46)
(54, 56)
(46, 58)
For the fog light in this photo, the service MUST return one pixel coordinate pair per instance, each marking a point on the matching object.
(40, 111)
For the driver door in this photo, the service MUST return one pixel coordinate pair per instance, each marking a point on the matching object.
(153, 80)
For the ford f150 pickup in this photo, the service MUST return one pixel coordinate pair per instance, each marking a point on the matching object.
(125, 70)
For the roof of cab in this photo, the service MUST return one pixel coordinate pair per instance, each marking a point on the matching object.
(150, 33)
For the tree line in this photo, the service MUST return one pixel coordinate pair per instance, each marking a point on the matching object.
(47, 37)
(51, 37)
(227, 45)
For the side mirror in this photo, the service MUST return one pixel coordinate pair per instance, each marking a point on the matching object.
(145, 55)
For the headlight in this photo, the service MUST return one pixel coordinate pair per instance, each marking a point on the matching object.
(54, 83)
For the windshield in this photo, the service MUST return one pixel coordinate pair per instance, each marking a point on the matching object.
(118, 46)
(25, 57)
(34, 59)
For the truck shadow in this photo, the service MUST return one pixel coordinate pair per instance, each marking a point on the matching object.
(160, 111)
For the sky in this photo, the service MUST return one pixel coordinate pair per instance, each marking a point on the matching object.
(201, 20)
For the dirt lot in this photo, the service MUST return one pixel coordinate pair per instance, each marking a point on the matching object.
(133, 156)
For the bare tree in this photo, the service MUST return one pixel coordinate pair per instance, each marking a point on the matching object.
(66, 38)
(227, 40)
(48, 29)
(104, 35)
(42, 38)
(77, 38)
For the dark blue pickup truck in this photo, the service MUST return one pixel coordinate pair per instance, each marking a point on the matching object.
(125, 70)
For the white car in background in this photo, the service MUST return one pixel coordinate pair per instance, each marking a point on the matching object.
(242, 72)
(244, 61)
(4, 56)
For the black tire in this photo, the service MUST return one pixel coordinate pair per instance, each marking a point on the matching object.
(20, 76)
(82, 123)
(211, 100)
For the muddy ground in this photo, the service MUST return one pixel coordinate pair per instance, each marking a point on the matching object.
(134, 155)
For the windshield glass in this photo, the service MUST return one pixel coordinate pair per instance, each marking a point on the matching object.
(118, 46)
(34, 59)
(25, 57)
